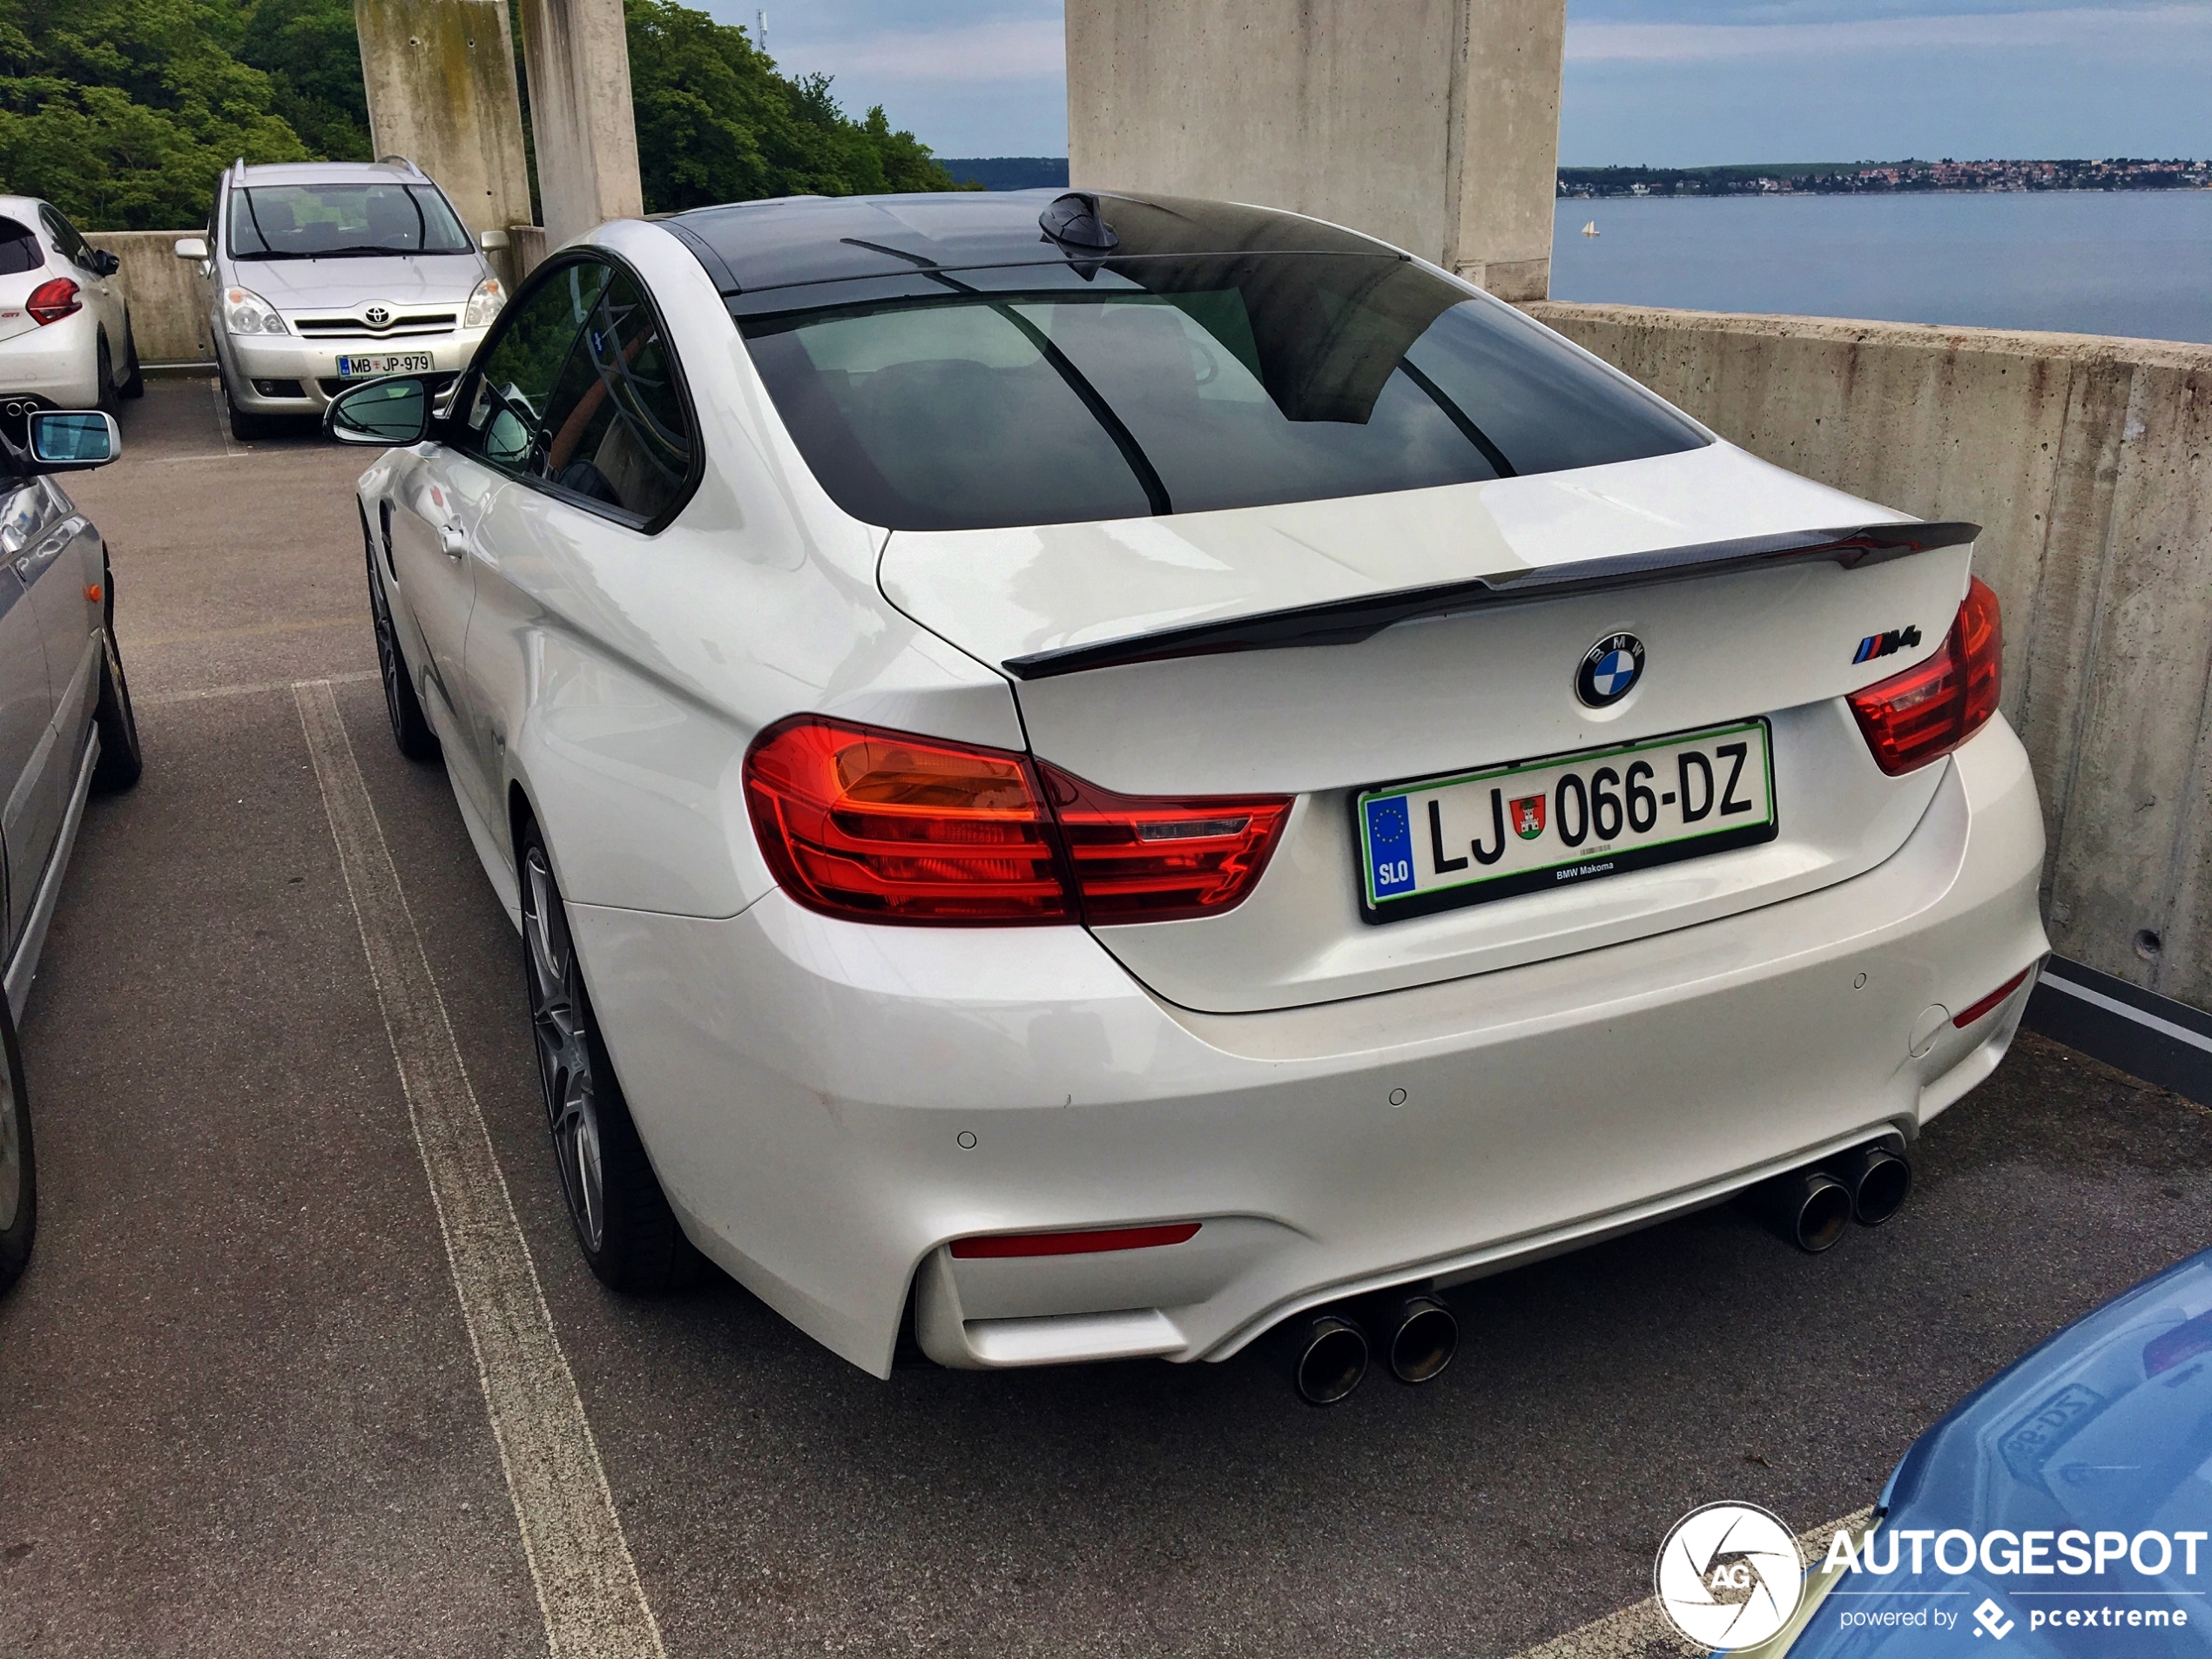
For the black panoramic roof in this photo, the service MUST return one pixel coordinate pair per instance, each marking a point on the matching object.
(798, 240)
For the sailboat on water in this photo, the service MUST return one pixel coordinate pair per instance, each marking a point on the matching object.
(1590, 229)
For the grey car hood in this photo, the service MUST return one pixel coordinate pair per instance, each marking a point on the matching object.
(348, 284)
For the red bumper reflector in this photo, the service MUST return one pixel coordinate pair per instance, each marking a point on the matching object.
(1076, 1244)
(1968, 1017)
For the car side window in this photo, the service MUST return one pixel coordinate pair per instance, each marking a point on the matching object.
(619, 431)
(511, 412)
(66, 238)
(19, 249)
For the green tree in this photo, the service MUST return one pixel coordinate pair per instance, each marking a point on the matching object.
(716, 123)
(311, 53)
(124, 112)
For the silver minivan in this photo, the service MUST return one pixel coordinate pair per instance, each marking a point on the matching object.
(322, 272)
(66, 731)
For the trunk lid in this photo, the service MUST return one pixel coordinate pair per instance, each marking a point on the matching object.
(1446, 693)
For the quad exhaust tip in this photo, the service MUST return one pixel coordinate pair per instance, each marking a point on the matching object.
(1328, 1358)
(1812, 1207)
(1329, 1352)
(1423, 1336)
(1880, 1180)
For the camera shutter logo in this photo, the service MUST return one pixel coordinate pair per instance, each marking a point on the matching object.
(1729, 1575)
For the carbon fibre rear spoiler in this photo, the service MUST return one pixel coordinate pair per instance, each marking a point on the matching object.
(1344, 622)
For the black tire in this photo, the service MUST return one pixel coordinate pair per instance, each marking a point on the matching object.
(411, 731)
(628, 1234)
(105, 375)
(135, 386)
(18, 1165)
(120, 763)
(246, 425)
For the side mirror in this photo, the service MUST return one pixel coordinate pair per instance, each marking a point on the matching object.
(491, 241)
(192, 248)
(388, 413)
(104, 263)
(72, 440)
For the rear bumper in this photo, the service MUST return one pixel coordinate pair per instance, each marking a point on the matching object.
(829, 1105)
(295, 371)
(57, 365)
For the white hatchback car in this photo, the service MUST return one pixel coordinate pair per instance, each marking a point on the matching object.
(1118, 779)
(65, 324)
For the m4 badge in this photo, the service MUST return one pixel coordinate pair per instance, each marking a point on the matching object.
(1528, 817)
(1886, 645)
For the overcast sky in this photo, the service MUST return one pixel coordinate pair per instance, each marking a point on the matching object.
(1662, 82)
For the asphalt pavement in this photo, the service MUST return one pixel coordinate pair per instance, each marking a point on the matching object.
(241, 1412)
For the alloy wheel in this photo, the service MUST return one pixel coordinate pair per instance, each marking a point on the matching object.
(560, 1022)
(387, 650)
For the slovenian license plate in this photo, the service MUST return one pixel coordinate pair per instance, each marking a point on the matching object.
(369, 367)
(1539, 825)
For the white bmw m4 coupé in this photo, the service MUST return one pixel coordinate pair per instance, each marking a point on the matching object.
(1109, 776)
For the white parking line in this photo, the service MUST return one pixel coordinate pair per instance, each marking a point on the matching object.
(246, 688)
(1641, 1631)
(587, 1583)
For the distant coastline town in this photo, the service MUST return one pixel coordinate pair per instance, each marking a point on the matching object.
(1882, 177)
(1792, 178)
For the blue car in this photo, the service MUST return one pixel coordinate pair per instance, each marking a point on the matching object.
(2063, 1508)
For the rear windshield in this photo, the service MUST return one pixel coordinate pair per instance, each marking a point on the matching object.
(20, 249)
(1050, 395)
(336, 222)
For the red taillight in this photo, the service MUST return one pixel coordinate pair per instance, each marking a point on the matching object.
(1144, 857)
(886, 826)
(1929, 710)
(1000, 1245)
(1967, 1016)
(51, 302)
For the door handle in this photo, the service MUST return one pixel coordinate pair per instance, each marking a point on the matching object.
(452, 541)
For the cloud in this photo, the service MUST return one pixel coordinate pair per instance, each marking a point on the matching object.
(1012, 49)
(2150, 28)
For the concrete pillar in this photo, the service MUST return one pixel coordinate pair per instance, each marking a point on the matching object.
(1433, 124)
(576, 54)
(441, 80)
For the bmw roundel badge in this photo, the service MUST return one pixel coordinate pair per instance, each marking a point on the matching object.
(1609, 670)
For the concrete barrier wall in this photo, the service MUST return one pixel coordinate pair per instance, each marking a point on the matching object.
(2087, 460)
(526, 250)
(167, 299)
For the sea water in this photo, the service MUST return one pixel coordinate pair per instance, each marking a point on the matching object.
(2124, 262)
